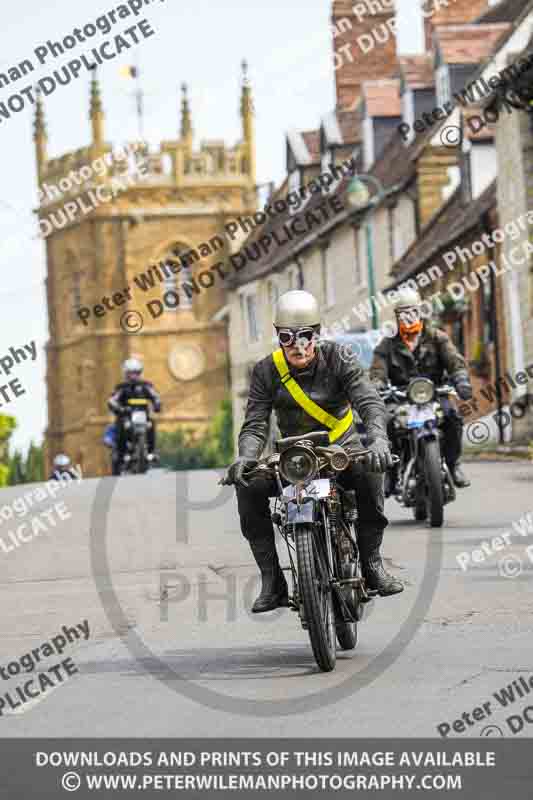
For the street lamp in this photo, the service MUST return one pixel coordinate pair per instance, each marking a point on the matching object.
(358, 197)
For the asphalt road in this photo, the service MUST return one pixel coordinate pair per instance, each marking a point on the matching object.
(158, 569)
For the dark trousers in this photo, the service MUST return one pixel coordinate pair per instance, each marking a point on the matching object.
(254, 508)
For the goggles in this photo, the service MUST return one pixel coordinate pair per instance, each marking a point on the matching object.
(288, 336)
(409, 316)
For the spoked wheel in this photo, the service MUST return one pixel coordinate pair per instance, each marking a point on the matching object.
(315, 594)
(347, 631)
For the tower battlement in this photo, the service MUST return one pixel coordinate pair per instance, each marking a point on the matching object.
(174, 164)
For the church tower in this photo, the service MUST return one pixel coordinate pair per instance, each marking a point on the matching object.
(104, 228)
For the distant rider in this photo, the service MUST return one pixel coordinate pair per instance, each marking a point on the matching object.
(419, 349)
(133, 387)
(62, 469)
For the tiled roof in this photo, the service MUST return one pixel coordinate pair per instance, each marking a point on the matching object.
(417, 71)
(382, 98)
(468, 44)
(508, 11)
(396, 165)
(443, 230)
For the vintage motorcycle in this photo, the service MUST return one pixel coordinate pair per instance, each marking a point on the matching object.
(137, 422)
(317, 519)
(424, 482)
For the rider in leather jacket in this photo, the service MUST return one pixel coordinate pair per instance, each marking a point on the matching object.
(418, 349)
(133, 387)
(337, 385)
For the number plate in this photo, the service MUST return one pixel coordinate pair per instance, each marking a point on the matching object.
(418, 415)
(319, 488)
(139, 417)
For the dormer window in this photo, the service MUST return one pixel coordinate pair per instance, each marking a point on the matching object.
(444, 92)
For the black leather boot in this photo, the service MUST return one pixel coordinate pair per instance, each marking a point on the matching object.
(374, 572)
(459, 478)
(274, 589)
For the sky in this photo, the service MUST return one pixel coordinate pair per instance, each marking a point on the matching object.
(288, 48)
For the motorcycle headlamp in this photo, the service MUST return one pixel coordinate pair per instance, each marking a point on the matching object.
(298, 464)
(340, 461)
(420, 391)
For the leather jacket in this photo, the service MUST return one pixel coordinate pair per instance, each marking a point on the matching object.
(133, 390)
(434, 356)
(335, 383)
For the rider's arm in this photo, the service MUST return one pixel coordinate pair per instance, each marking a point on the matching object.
(363, 396)
(254, 431)
(379, 371)
(452, 360)
(153, 396)
(115, 401)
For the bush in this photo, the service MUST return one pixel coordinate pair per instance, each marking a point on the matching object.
(180, 449)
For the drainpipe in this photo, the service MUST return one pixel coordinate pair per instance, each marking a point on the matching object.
(494, 325)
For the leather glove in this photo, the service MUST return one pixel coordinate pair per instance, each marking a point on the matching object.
(235, 473)
(380, 457)
(464, 389)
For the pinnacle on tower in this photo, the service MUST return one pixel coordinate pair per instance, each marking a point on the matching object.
(39, 133)
(186, 124)
(247, 106)
(96, 112)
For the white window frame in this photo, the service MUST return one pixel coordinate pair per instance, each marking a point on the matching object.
(249, 299)
(408, 114)
(295, 184)
(442, 80)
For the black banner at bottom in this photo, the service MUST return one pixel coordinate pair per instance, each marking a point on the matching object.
(148, 768)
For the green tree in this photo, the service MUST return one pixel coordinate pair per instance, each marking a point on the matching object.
(7, 426)
(179, 449)
(34, 466)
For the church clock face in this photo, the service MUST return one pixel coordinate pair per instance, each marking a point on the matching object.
(186, 361)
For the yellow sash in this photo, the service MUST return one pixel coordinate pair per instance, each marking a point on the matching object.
(337, 426)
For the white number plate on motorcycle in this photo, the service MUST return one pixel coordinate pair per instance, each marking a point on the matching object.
(318, 488)
(418, 415)
(139, 417)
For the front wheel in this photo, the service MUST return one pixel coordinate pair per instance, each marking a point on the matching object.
(433, 478)
(315, 593)
(141, 464)
(347, 631)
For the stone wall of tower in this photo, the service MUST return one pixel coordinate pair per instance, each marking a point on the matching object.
(364, 46)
